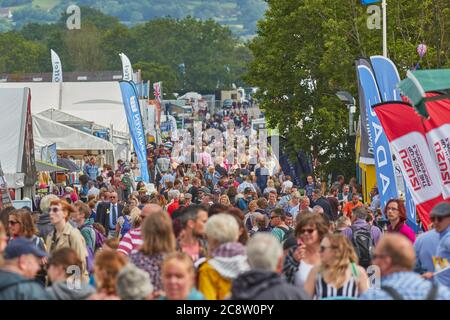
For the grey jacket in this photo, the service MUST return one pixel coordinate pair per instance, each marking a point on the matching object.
(67, 291)
(16, 287)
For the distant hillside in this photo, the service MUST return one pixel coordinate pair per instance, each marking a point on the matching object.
(239, 15)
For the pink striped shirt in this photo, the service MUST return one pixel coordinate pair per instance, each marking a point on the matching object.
(130, 242)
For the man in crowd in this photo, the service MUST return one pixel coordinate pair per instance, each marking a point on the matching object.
(310, 186)
(395, 257)
(334, 202)
(280, 229)
(349, 206)
(273, 202)
(320, 200)
(365, 231)
(108, 213)
(192, 239)
(375, 199)
(21, 264)
(263, 281)
(440, 215)
(91, 169)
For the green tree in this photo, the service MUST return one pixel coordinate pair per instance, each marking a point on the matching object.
(305, 52)
(20, 55)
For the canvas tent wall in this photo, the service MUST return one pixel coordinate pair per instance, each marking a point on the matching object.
(18, 165)
(99, 102)
(120, 140)
(68, 139)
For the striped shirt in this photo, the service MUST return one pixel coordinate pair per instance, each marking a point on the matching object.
(130, 242)
(410, 285)
(324, 290)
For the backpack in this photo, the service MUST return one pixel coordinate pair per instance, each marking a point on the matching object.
(363, 244)
(89, 256)
(287, 233)
(126, 226)
(99, 239)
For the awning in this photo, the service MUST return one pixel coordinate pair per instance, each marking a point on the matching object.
(48, 167)
(66, 163)
(420, 82)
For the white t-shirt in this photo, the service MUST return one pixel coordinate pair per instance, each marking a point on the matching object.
(302, 274)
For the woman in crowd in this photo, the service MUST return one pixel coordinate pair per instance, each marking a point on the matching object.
(63, 268)
(178, 278)
(64, 235)
(338, 276)
(250, 216)
(396, 213)
(3, 242)
(227, 257)
(310, 231)
(21, 225)
(223, 199)
(158, 240)
(106, 268)
(232, 193)
(270, 186)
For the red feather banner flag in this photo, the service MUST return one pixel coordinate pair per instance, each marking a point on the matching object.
(437, 128)
(407, 138)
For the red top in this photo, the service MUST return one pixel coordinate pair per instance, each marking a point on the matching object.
(172, 207)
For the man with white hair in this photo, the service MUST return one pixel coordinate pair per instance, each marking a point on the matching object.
(263, 281)
(44, 225)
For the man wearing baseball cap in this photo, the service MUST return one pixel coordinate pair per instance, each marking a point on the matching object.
(20, 267)
(440, 215)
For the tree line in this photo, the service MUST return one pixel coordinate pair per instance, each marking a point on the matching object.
(186, 54)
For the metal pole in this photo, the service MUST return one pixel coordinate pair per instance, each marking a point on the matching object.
(384, 8)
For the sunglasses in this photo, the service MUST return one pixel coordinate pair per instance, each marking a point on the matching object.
(13, 223)
(307, 230)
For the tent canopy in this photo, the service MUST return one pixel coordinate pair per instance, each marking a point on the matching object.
(98, 102)
(13, 107)
(419, 82)
(48, 167)
(47, 132)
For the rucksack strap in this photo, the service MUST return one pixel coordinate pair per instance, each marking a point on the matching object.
(432, 294)
(392, 292)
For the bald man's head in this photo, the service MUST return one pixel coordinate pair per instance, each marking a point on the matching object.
(394, 253)
(150, 209)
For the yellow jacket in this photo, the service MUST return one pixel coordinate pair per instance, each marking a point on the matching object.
(212, 284)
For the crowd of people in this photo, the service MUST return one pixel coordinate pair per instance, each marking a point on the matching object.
(216, 230)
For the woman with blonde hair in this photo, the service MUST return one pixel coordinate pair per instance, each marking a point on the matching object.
(338, 276)
(250, 216)
(225, 200)
(178, 278)
(106, 269)
(158, 240)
